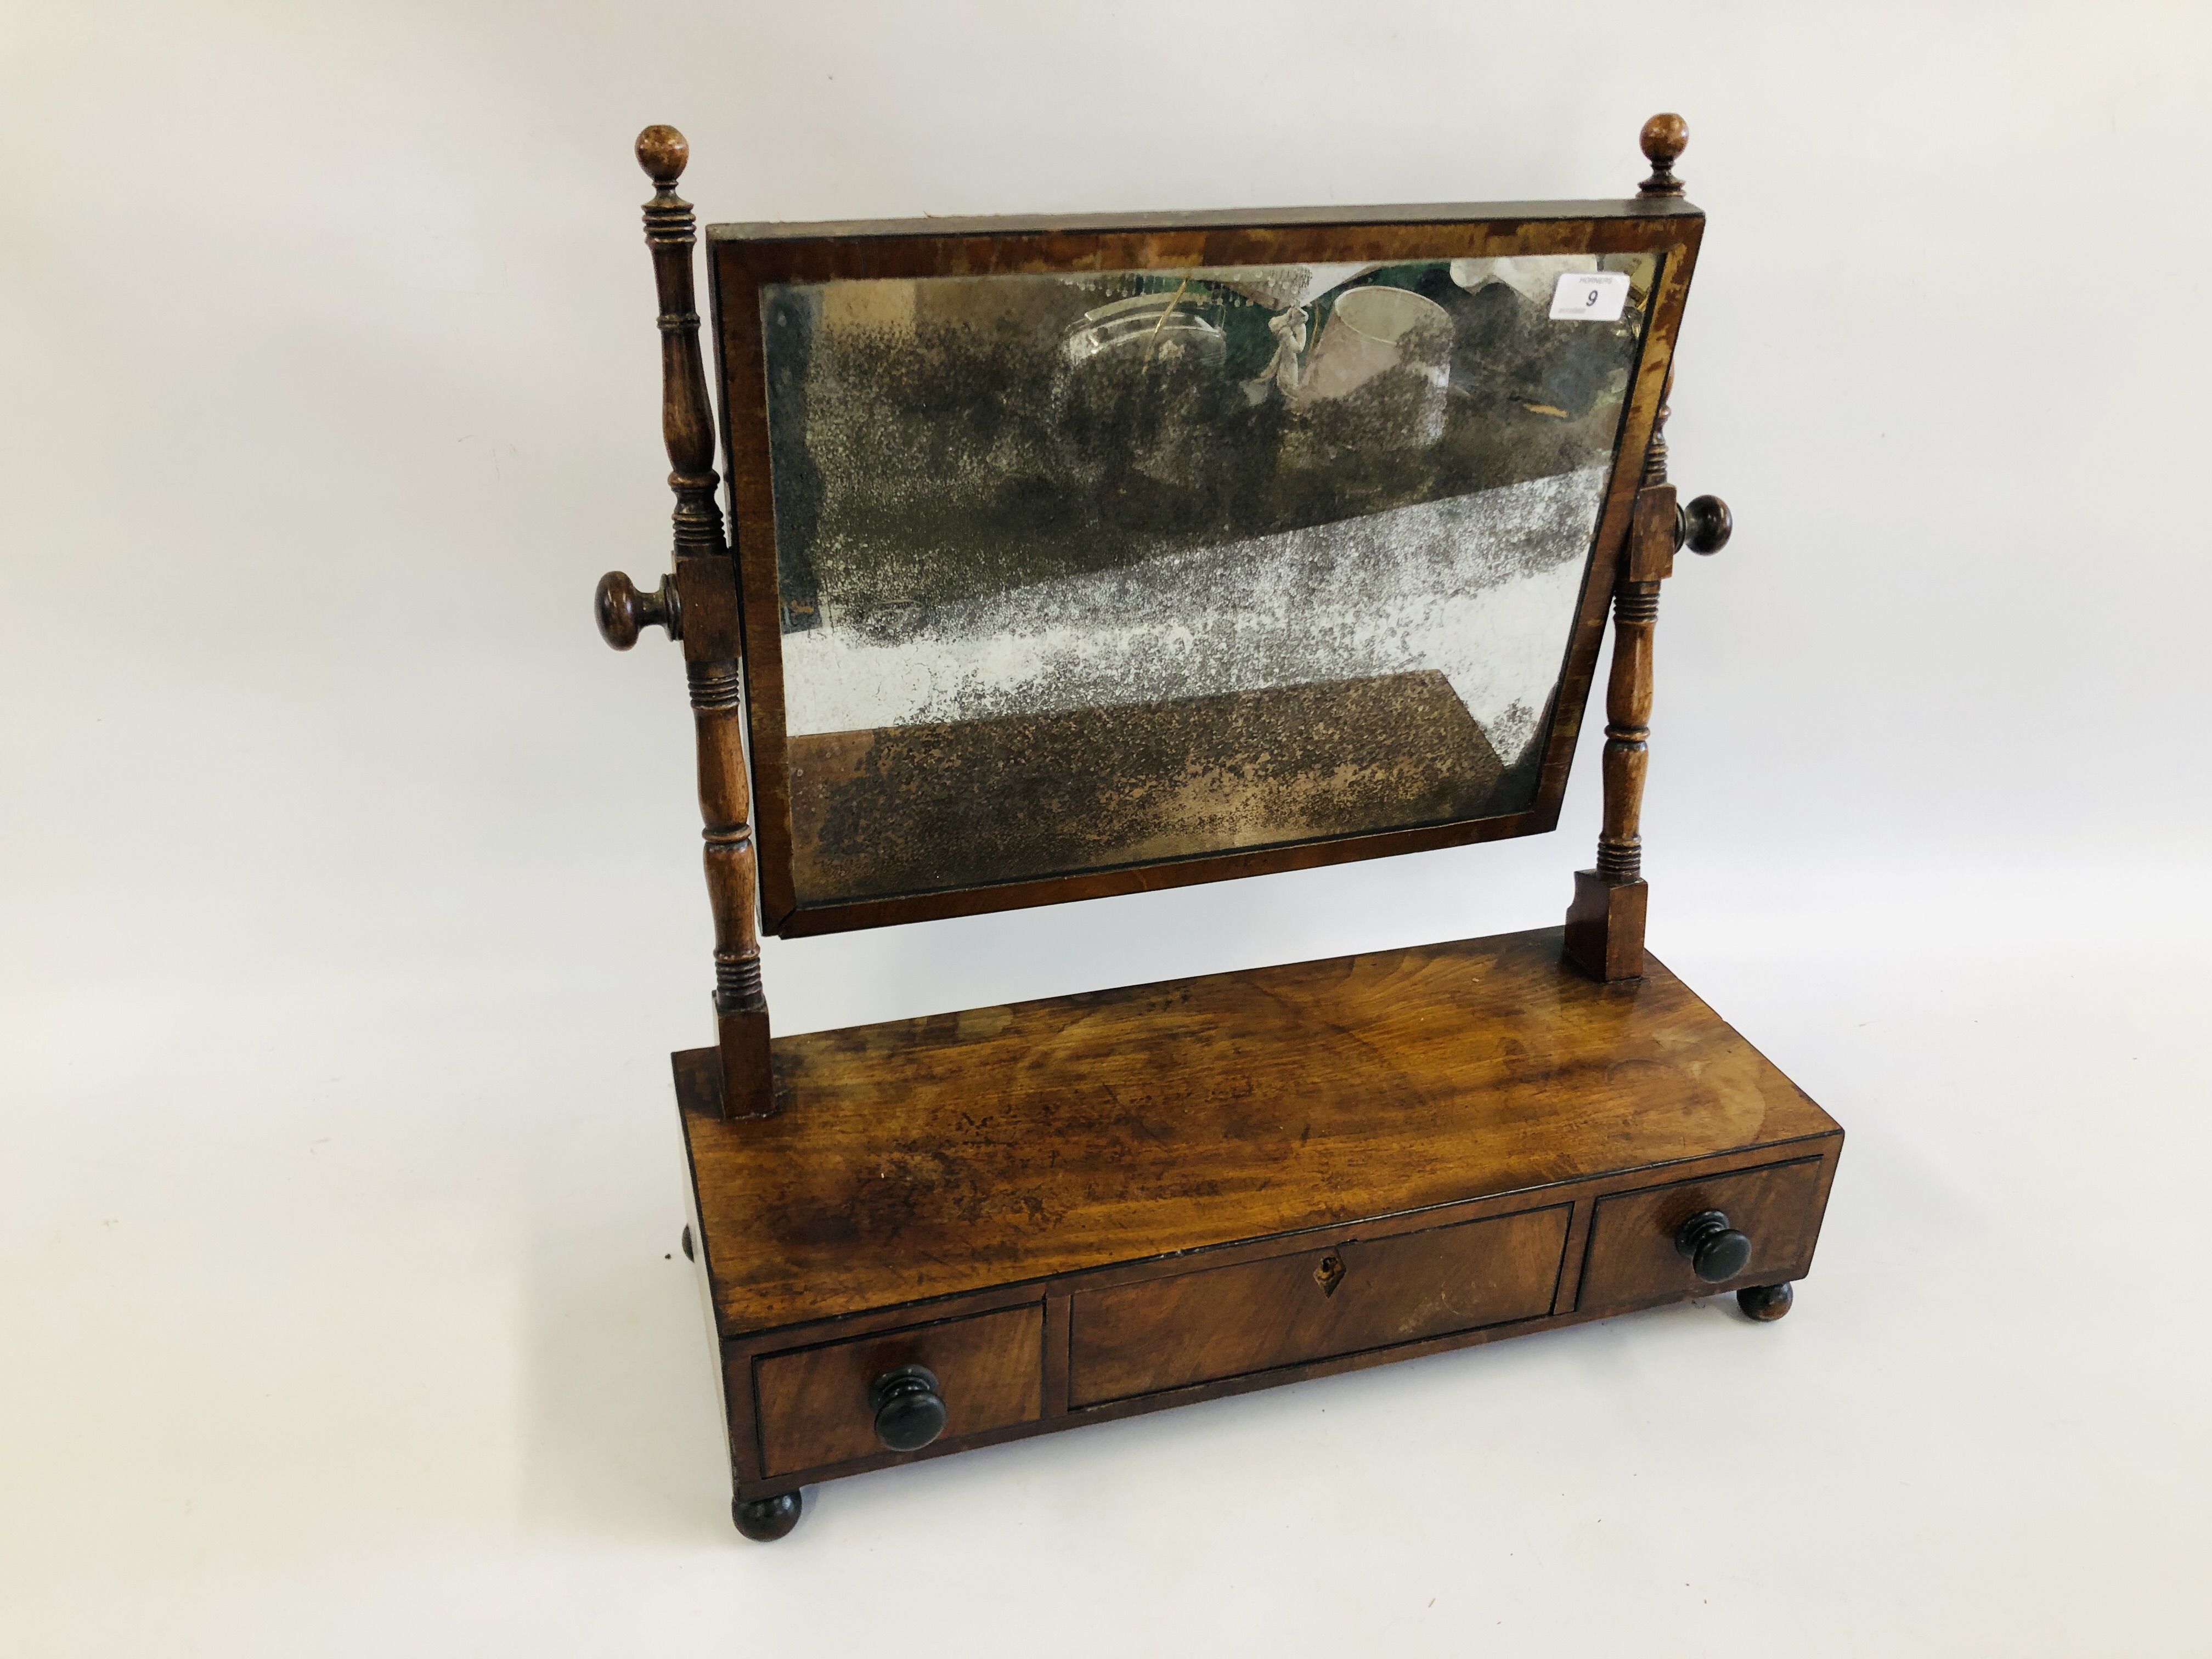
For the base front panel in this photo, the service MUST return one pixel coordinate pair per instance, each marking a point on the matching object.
(1150, 1335)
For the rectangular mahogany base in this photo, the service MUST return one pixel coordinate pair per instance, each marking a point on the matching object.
(1079, 1208)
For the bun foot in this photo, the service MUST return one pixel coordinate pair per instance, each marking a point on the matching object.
(764, 1519)
(1765, 1302)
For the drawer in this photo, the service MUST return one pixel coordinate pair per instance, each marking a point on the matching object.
(814, 1406)
(1632, 1258)
(1331, 1299)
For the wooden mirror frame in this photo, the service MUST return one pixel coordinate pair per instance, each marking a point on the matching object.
(744, 259)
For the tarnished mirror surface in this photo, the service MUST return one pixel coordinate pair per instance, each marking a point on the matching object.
(1086, 570)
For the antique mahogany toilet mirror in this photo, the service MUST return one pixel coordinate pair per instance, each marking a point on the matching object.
(1100, 553)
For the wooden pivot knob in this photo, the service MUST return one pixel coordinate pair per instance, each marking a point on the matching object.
(1705, 525)
(623, 611)
(909, 1411)
(1716, 1249)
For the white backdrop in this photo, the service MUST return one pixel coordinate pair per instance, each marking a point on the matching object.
(351, 903)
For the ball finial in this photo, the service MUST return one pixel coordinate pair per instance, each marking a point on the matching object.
(662, 153)
(1664, 139)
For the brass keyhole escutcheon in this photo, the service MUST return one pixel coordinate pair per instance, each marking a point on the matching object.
(1330, 1273)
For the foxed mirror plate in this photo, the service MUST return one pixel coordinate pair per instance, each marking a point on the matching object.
(1086, 570)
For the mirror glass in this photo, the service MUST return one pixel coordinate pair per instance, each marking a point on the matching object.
(1095, 569)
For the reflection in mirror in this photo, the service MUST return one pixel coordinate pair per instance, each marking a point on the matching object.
(1087, 570)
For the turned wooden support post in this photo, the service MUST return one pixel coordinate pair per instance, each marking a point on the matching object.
(740, 1006)
(699, 606)
(1605, 923)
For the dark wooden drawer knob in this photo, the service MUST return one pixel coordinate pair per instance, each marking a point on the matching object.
(623, 610)
(1707, 524)
(1716, 1249)
(909, 1411)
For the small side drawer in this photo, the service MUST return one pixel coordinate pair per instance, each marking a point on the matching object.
(814, 1407)
(1632, 1258)
(1316, 1305)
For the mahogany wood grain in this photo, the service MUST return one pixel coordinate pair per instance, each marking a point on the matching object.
(1633, 1255)
(814, 1405)
(1332, 1299)
(1605, 924)
(952, 1154)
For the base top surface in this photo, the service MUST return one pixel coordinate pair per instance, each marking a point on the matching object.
(959, 1152)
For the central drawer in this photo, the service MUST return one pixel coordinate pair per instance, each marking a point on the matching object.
(1317, 1304)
